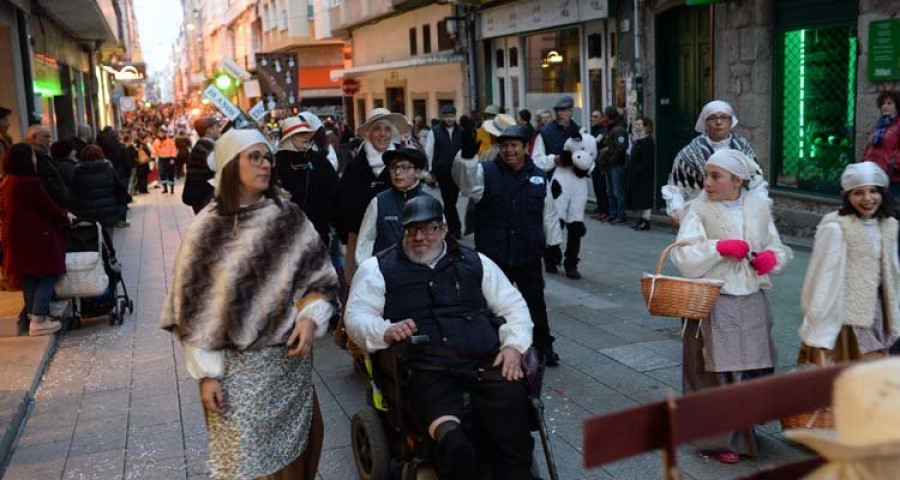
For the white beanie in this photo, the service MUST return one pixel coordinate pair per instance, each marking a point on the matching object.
(734, 161)
(862, 174)
(715, 106)
(231, 144)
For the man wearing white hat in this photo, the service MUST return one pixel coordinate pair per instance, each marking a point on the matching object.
(714, 124)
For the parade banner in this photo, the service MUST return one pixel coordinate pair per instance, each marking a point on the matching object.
(214, 95)
(278, 79)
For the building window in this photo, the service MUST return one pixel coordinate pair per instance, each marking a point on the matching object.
(378, 103)
(612, 44)
(815, 103)
(426, 38)
(498, 55)
(595, 45)
(445, 42)
(413, 46)
(553, 64)
(265, 17)
(513, 57)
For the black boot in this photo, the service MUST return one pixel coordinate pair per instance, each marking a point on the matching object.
(551, 359)
(457, 455)
(643, 224)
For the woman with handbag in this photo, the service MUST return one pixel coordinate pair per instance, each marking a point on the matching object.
(728, 234)
(33, 245)
(253, 286)
(852, 285)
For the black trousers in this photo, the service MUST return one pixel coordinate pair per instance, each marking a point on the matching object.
(501, 418)
(598, 178)
(529, 279)
(140, 184)
(573, 243)
(449, 196)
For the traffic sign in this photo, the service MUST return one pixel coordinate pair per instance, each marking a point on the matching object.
(127, 104)
(350, 86)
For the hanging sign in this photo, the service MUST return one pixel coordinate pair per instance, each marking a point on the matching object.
(277, 74)
(258, 111)
(217, 98)
(884, 50)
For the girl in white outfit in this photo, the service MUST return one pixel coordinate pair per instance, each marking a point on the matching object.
(850, 293)
(728, 234)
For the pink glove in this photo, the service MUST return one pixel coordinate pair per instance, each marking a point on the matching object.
(764, 262)
(733, 248)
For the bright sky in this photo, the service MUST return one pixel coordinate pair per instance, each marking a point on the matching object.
(158, 23)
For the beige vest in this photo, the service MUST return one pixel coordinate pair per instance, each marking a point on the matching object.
(716, 220)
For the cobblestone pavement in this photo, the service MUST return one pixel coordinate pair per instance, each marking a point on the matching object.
(116, 402)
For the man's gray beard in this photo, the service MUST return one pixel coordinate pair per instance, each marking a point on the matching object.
(427, 257)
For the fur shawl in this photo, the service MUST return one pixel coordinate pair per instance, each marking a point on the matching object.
(865, 268)
(240, 279)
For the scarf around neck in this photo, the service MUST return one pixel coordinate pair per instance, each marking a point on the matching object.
(883, 123)
(239, 278)
(374, 157)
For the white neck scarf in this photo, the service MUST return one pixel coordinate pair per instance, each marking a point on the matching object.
(374, 157)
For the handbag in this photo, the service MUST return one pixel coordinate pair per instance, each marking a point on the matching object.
(85, 273)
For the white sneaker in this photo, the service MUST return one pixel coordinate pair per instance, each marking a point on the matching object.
(42, 326)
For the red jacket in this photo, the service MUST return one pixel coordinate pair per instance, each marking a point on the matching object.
(888, 151)
(32, 238)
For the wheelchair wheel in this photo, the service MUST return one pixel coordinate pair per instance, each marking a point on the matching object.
(370, 448)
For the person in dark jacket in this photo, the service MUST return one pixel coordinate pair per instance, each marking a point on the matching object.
(441, 148)
(198, 192)
(33, 246)
(183, 146)
(94, 188)
(641, 172)
(306, 173)
(38, 136)
(63, 154)
(515, 218)
(614, 157)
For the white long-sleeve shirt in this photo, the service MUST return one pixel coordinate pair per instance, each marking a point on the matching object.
(368, 230)
(202, 363)
(542, 159)
(468, 174)
(364, 316)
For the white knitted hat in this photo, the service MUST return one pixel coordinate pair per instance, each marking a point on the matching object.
(231, 144)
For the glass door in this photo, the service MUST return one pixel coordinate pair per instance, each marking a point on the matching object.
(506, 61)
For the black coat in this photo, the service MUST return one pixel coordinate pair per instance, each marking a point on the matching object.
(357, 188)
(641, 174)
(312, 183)
(52, 180)
(197, 190)
(94, 192)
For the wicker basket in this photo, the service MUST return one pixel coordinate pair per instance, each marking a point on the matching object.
(667, 296)
(818, 418)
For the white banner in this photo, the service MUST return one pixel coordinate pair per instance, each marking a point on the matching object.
(258, 111)
(230, 110)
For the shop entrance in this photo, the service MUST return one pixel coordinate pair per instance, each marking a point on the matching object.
(684, 80)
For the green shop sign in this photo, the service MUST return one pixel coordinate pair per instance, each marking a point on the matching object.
(884, 50)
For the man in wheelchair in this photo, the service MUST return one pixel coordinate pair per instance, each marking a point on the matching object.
(430, 285)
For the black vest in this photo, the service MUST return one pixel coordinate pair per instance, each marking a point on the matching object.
(510, 216)
(445, 302)
(445, 147)
(555, 137)
(390, 208)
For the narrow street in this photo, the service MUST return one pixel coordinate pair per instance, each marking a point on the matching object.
(117, 403)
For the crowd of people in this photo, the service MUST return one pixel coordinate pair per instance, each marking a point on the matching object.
(305, 226)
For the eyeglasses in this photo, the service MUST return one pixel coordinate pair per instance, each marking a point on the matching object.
(402, 168)
(256, 159)
(425, 230)
(719, 118)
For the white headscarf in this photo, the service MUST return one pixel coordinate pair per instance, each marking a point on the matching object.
(715, 106)
(734, 161)
(862, 174)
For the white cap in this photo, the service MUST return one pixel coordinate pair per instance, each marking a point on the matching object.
(861, 174)
(231, 144)
(715, 106)
(734, 161)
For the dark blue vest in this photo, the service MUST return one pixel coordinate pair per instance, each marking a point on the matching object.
(555, 137)
(445, 302)
(445, 147)
(390, 208)
(510, 216)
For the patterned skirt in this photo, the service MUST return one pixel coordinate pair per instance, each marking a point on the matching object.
(268, 412)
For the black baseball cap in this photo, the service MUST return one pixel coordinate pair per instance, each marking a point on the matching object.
(515, 132)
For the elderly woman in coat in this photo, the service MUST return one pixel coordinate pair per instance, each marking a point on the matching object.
(715, 126)
(253, 286)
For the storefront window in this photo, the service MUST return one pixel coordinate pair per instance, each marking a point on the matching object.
(553, 64)
(815, 102)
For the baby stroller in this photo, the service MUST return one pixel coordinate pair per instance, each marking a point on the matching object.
(387, 441)
(89, 236)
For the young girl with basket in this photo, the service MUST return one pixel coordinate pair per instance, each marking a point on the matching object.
(728, 234)
(850, 292)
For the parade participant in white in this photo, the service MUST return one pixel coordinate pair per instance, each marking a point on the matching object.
(723, 226)
(852, 284)
(715, 126)
(569, 187)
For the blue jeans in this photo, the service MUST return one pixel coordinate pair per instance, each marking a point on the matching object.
(615, 190)
(38, 291)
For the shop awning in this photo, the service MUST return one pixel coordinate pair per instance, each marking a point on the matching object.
(91, 20)
(439, 59)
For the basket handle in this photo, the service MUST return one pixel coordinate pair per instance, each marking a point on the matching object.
(665, 253)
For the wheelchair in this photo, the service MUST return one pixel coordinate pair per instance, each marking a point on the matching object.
(390, 444)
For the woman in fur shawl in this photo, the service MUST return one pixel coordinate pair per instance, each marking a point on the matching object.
(728, 234)
(851, 288)
(253, 286)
